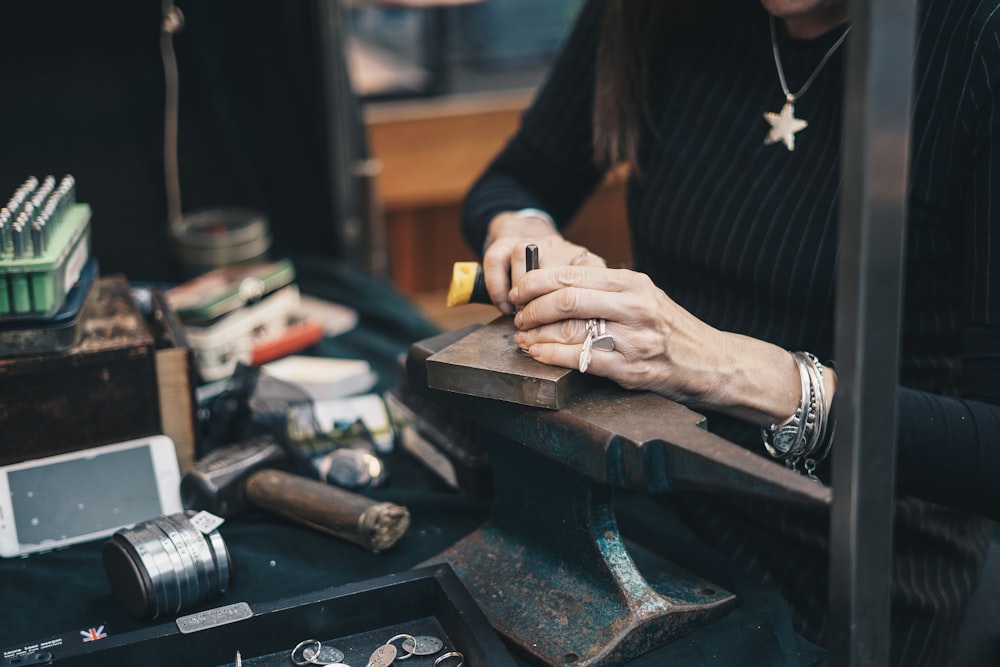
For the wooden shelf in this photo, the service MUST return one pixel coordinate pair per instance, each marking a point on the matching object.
(431, 152)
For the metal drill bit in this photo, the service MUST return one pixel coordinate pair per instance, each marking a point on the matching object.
(18, 237)
(67, 186)
(37, 237)
(41, 195)
(26, 188)
(531, 257)
(4, 230)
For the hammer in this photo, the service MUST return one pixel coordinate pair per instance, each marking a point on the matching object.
(227, 480)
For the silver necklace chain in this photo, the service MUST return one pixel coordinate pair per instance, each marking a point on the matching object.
(789, 96)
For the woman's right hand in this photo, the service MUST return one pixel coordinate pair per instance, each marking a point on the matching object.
(503, 259)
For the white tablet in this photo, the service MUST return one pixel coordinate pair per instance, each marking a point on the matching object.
(85, 495)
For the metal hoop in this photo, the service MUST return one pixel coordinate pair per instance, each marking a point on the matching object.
(300, 648)
(451, 654)
(404, 636)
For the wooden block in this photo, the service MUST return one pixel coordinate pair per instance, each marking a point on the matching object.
(173, 376)
(488, 364)
(176, 380)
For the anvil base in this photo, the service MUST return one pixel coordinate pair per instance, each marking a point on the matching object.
(554, 576)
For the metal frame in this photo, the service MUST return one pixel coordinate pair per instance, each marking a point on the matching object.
(875, 165)
(359, 228)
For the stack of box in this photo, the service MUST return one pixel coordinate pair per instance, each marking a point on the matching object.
(245, 313)
(77, 358)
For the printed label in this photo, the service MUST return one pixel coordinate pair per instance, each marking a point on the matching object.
(214, 617)
(206, 522)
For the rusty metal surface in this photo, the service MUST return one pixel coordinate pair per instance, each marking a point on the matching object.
(554, 576)
(487, 363)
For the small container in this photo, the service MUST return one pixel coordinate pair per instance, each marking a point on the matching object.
(212, 238)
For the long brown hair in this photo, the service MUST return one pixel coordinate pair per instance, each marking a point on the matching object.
(631, 33)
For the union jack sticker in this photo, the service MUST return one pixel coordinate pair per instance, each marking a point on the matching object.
(93, 634)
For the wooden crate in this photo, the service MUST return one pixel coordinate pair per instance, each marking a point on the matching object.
(101, 390)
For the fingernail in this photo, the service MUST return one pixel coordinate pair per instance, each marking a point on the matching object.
(506, 308)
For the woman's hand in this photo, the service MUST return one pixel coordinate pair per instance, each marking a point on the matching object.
(503, 259)
(658, 346)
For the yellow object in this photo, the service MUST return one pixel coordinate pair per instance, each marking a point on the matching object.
(463, 281)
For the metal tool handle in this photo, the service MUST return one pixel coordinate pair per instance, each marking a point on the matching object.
(350, 516)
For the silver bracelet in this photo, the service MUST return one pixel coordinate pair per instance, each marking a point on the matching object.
(819, 445)
(807, 435)
(782, 440)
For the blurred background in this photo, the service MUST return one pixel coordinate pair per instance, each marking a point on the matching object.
(344, 129)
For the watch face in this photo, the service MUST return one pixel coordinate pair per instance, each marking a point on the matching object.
(784, 439)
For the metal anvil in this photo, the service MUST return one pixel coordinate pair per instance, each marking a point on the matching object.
(550, 568)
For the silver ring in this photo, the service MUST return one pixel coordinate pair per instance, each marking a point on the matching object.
(597, 337)
(602, 339)
(333, 655)
(452, 654)
(404, 637)
(300, 647)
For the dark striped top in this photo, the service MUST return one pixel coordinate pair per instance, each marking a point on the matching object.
(744, 235)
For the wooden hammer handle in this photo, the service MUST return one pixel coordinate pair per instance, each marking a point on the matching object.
(329, 509)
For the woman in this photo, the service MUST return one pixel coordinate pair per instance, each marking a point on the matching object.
(729, 114)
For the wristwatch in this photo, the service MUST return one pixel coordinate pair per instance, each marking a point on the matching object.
(787, 440)
(780, 441)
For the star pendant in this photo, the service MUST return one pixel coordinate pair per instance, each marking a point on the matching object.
(784, 125)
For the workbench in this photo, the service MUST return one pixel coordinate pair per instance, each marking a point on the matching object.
(66, 591)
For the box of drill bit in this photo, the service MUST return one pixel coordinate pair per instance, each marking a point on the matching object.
(101, 390)
(44, 246)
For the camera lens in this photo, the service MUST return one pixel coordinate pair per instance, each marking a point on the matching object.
(164, 565)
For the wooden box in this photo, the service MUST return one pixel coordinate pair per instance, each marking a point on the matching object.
(101, 390)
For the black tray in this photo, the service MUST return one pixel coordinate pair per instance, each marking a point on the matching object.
(355, 618)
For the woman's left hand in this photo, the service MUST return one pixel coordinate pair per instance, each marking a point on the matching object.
(658, 346)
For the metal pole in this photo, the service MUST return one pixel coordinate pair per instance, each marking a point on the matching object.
(358, 224)
(872, 214)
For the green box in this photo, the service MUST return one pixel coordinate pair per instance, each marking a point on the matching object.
(37, 286)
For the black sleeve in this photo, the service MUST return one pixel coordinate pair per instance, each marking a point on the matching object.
(950, 451)
(949, 448)
(549, 162)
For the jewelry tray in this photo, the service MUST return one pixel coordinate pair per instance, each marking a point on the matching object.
(355, 618)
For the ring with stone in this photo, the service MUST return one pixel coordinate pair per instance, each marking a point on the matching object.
(602, 339)
(597, 337)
